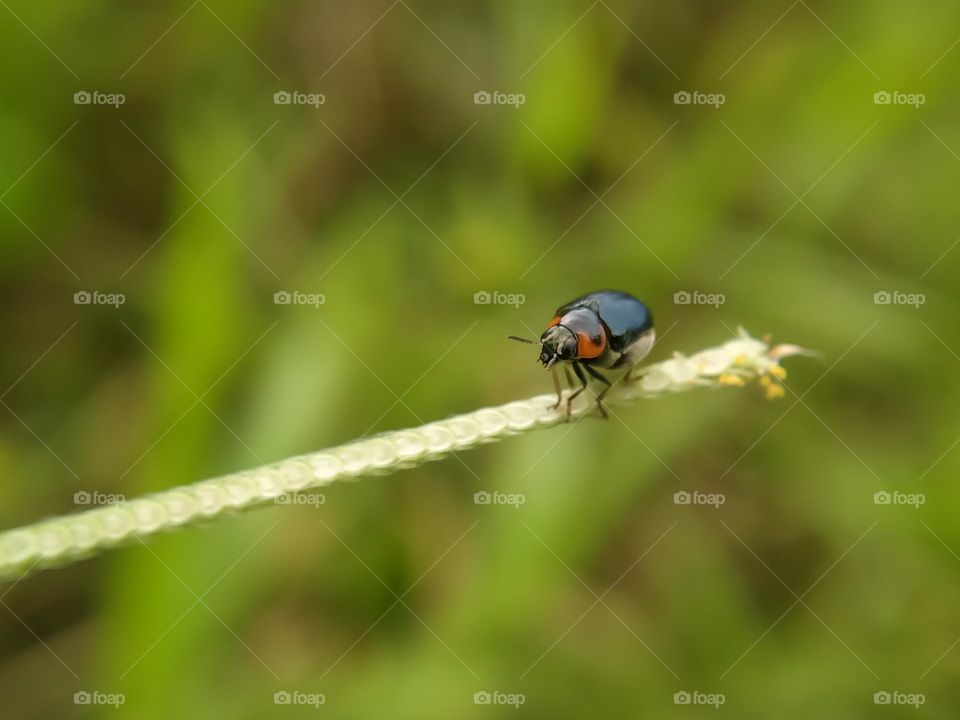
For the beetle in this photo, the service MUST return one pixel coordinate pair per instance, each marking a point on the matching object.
(606, 329)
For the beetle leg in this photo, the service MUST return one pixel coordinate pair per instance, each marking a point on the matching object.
(556, 385)
(608, 384)
(583, 386)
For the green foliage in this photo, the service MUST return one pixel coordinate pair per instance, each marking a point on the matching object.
(296, 589)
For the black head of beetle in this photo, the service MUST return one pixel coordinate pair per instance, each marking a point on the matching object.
(557, 343)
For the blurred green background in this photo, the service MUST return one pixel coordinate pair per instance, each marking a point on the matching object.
(398, 198)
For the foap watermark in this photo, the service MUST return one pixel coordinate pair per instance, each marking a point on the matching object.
(482, 297)
(95, 97)
(684, 497)
(96, 697)
(95, 297)
(885, 497)
(296, 97)
(309, 499)
(695, 97)
(483, 497)
(884, 97)
(684, 297)
(85, 497)
(297, 697)
(482, 97)
(696, 697)
(895, 297)
(286, 297)
(896, 697)
(496, 697)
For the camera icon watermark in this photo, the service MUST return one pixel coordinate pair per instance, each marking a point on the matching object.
(85, 497)
(296, 697)
(684, 297)
(895, 297)
(482, 297)
(496, 697)
(295, 297)
(896, 697)
(515, 100)
(95, 97)
(884, 497)
(684, 497)
(95, 297)
(695, 97)
(96, 697)
(485, 497)
(884, 97)
(696, 697)
(309, 499)
(295, 97)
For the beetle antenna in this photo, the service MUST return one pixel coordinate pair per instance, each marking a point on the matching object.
(524, 340)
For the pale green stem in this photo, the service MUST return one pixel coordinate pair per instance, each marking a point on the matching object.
(62, 540)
